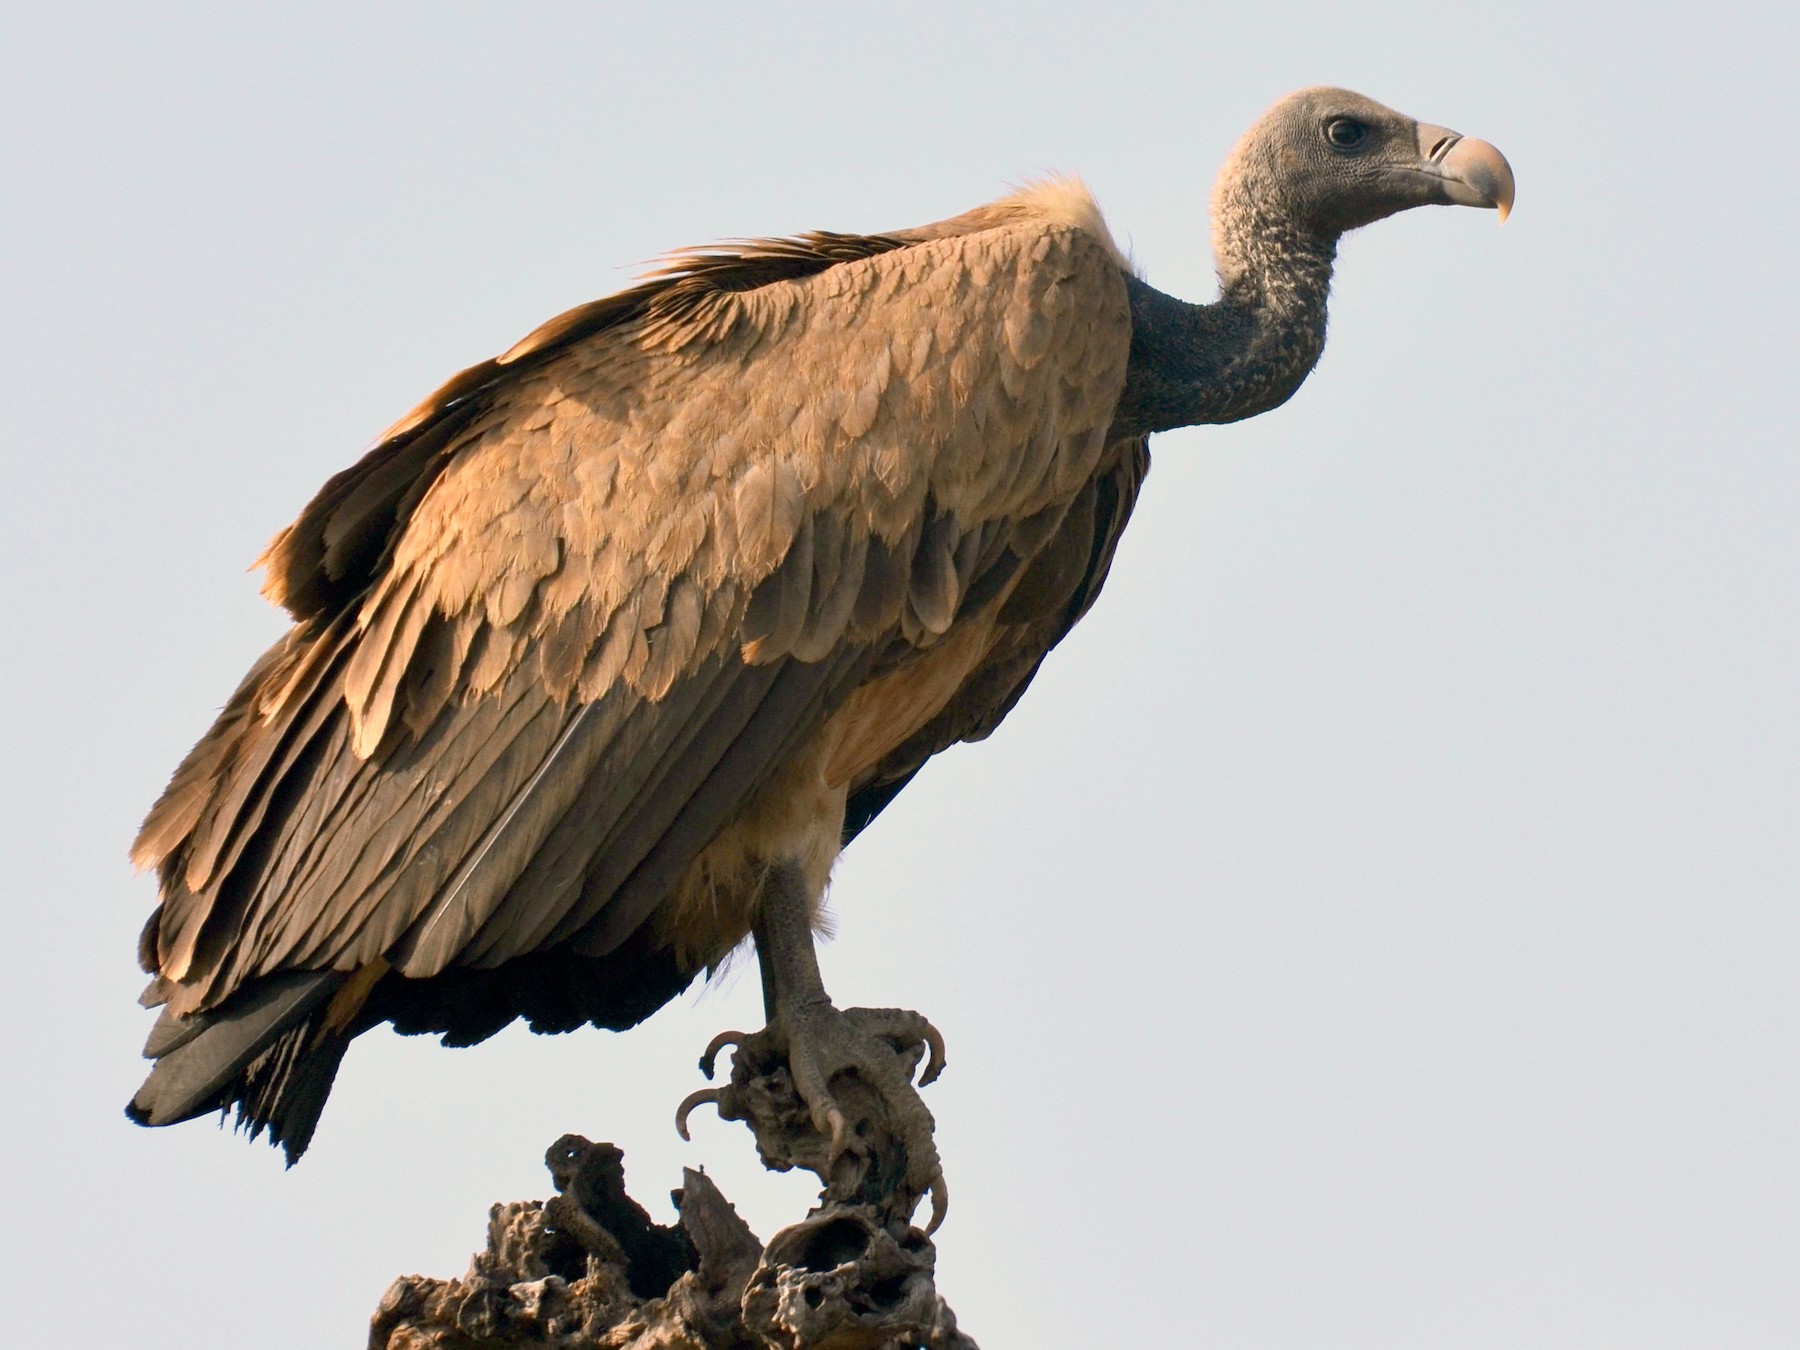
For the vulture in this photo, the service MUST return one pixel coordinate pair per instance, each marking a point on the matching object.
(602, 653)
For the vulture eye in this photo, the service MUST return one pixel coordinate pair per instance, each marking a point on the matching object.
(1346, 133)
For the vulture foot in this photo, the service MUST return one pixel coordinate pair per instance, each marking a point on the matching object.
(831, 1091)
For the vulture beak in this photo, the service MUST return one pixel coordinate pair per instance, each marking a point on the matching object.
(1470, 172)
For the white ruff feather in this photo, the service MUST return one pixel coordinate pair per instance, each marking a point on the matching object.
(1065, 200)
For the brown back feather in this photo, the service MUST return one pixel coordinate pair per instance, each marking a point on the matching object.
(340, 541)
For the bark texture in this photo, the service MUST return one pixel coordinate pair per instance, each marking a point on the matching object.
(588, 1270)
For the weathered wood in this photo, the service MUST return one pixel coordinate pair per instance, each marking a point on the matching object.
(588, 1270)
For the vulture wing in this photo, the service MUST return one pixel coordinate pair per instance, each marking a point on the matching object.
(565, 620)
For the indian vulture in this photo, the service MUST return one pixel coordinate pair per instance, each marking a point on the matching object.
(605, 650)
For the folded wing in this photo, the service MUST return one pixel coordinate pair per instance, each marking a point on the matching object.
(556, 629)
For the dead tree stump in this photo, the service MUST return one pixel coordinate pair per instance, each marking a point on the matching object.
(588, 1270)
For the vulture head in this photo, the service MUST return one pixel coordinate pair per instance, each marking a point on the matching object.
(1319, 163)
(1330, 160)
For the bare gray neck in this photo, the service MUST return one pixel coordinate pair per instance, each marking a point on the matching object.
(1243, 354)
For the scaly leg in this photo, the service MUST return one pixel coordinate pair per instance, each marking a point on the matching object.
(851, 1070)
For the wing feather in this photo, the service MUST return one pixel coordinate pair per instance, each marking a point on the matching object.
(839, 558)
(932, 592)
(620, 901)
(650, 745)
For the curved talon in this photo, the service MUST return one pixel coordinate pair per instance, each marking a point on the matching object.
(688, 1103)
(940, 1203)
(934, 1063)
(716, 1044)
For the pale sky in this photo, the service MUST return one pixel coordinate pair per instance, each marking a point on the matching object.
(1378, 927)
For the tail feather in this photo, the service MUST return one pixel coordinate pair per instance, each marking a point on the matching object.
(265, 1052)
(284, 1089)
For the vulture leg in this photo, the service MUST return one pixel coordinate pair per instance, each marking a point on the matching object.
(845, 1107)
(823, 1046)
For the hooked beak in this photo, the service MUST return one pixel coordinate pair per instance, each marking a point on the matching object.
(1469, 172)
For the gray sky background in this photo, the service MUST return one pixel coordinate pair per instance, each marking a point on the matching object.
(1378, 927)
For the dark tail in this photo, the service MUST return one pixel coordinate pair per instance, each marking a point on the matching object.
(266, 1052)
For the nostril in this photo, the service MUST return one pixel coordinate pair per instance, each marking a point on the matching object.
(1443, 146)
